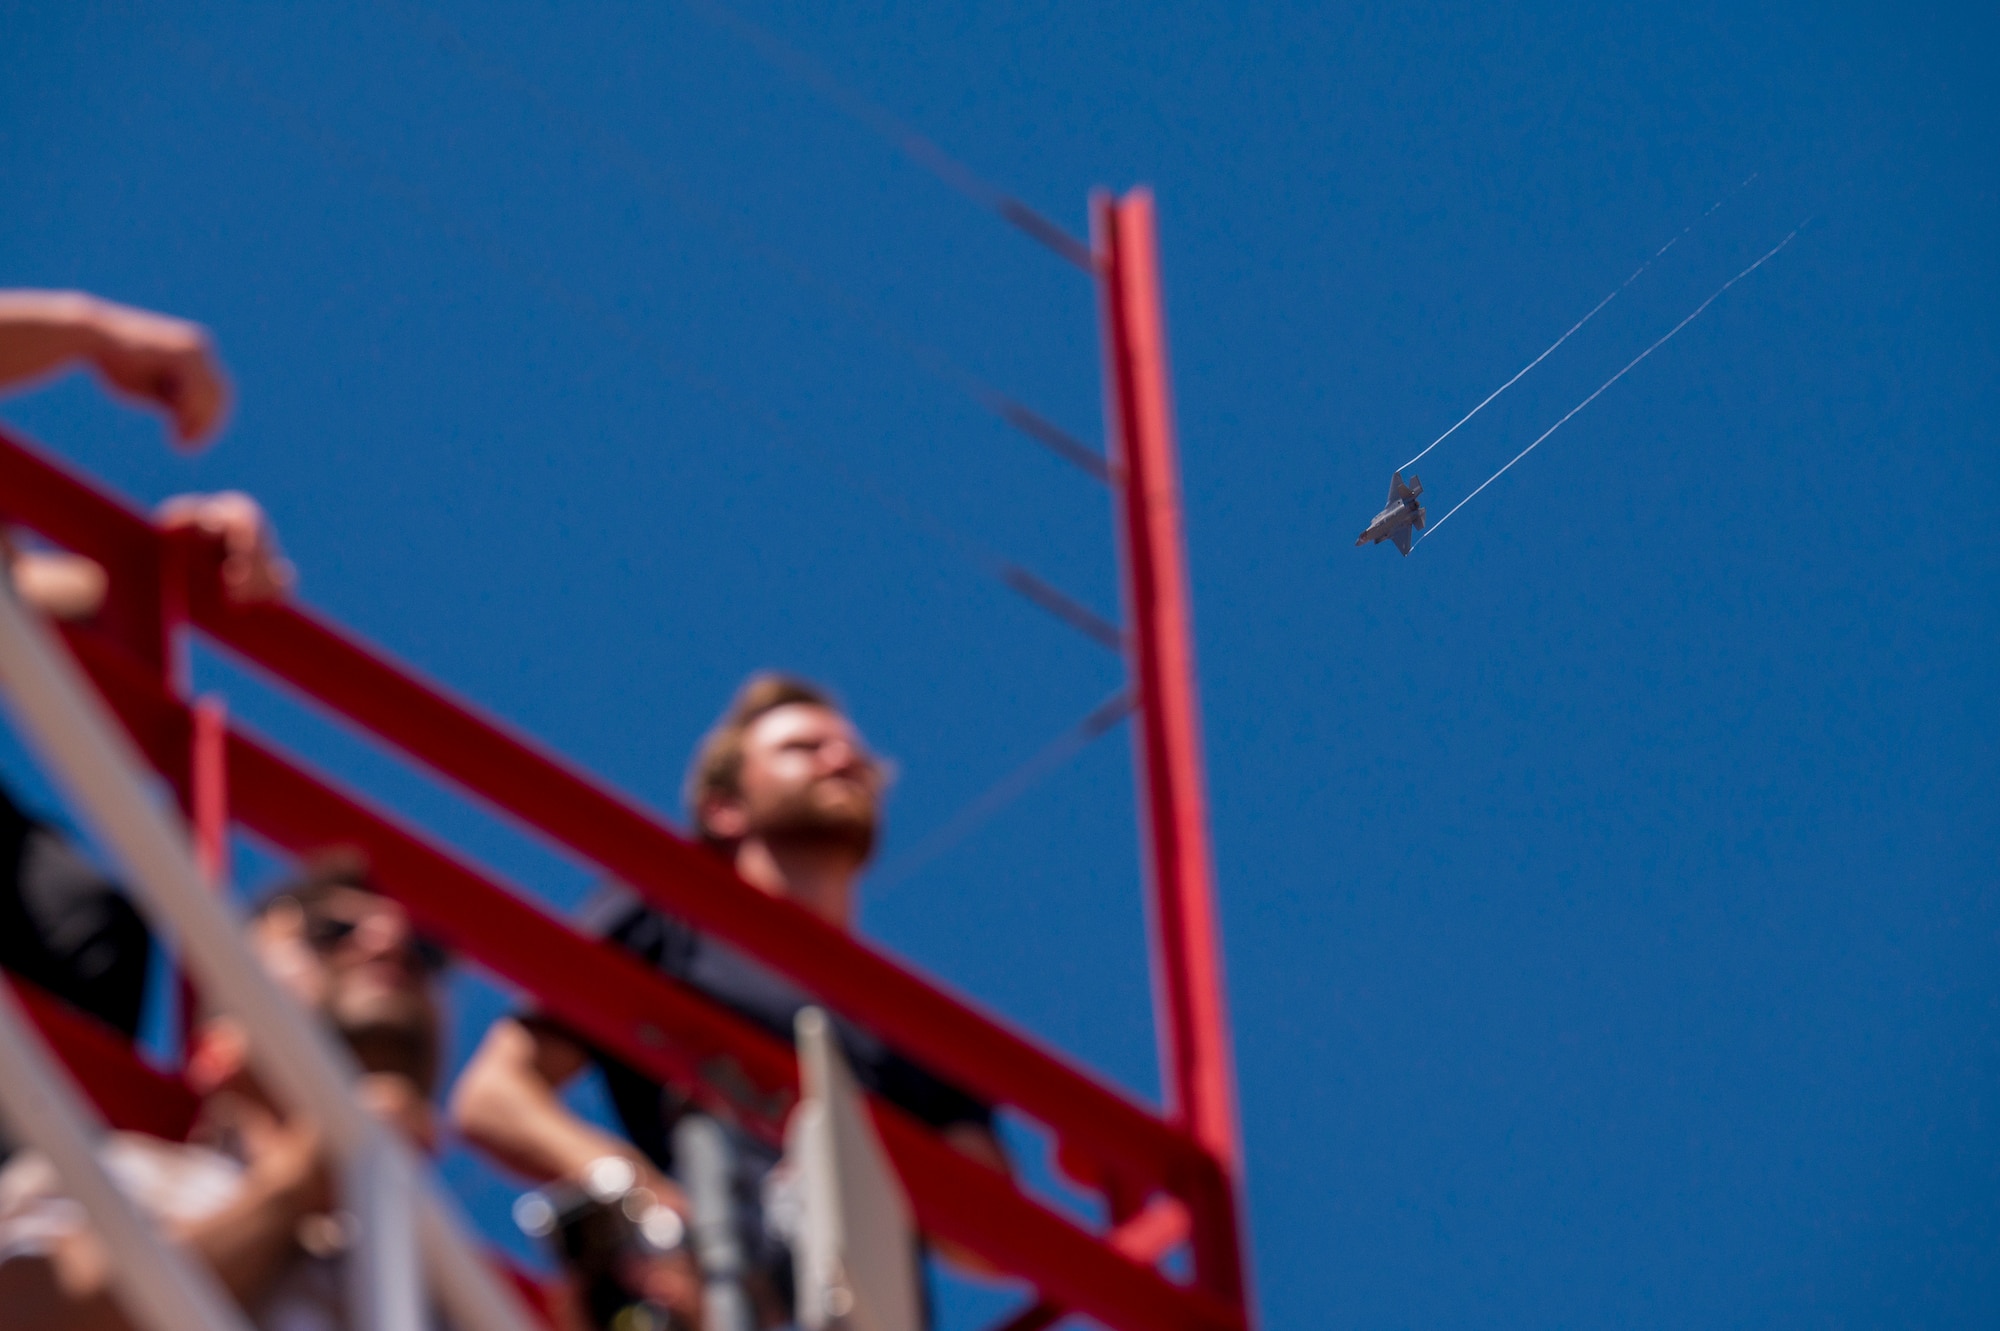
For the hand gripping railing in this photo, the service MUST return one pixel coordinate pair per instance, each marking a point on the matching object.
(99, 768)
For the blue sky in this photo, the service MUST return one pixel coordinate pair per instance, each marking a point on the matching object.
(1609, 887)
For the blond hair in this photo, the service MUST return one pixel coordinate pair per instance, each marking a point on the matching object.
(718, 759)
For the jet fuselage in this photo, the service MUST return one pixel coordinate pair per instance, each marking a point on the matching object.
(1395, 522)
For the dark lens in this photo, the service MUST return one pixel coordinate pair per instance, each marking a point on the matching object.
(325, 932)
(430, 954)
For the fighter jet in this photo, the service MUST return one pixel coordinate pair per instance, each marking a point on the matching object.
(1403, 515)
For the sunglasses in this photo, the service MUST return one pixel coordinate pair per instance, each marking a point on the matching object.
(326, 933)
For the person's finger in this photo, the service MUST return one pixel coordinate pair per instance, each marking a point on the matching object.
(257, 576)
(200, 402)
(253, 567)
(168, 364)
(61, 585)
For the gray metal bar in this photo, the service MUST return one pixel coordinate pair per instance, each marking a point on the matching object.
(706, 1161)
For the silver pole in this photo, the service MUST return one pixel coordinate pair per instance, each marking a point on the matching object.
(706, 1161)
(378, 1194)
(154, 1282)
(94, 761)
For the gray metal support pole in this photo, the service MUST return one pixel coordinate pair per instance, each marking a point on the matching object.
(706, 1161)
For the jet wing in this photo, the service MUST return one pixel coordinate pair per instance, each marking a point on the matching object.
(1395, 488)
(1402, 539)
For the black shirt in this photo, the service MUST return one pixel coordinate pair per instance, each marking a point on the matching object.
(759, 995)
(65, 926)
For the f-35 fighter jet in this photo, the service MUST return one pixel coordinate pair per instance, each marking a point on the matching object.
(1403, 515)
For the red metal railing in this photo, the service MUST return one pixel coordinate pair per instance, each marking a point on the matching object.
(1163, 1179)
(132, 1094)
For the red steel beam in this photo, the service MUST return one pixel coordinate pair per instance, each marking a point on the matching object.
(954, 1198)
(516, 776)
(650, 1021)
(39, 493)
(205, 799)
(208, 787)
(1187, 952)
(129, 1092)
(1148, 1236)
(944, 1032)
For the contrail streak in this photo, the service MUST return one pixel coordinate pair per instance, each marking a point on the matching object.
(1616, 292)
(1613, 379)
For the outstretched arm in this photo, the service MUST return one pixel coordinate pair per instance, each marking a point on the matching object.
(159, 362)
(148, 358)
(508, 1103)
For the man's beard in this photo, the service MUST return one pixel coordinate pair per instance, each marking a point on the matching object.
(829, 812)
(394, 1034)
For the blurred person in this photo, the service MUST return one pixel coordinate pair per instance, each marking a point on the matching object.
(785, 791)
(249, 1191)
(63, 924)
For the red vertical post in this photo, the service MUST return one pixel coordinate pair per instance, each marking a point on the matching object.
(203, 781)
(1187, 945)
(208, 762)
(176, 558)
(205, 799)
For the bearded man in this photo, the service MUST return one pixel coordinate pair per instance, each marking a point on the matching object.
(785, 790)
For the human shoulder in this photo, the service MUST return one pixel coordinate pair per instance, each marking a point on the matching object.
(617, 914)
(923, 1094)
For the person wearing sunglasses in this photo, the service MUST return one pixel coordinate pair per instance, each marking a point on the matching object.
(250, 1191)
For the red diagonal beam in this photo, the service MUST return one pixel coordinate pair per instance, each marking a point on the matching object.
(650, 1021)
(39, 493)
(130, 1093)
(1146, 1237)
(625, 1007)
(934, 1027)
(510, 773)
(482, 756)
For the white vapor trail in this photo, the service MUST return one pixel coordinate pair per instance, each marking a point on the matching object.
(1613, 379)
(1616, 292)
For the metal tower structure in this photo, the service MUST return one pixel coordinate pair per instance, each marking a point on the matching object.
(1168, 1179)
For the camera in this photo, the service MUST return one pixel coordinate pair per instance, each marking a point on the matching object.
(612, 1236)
